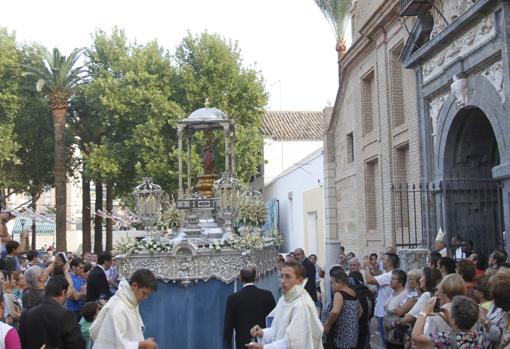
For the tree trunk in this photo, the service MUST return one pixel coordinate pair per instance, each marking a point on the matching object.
(109, 222)
(33, 205)
(3, 199)
(98, 220)
(85, 211)
(59, 122)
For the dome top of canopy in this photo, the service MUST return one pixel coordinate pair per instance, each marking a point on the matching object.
(207, 114)
(205, 119)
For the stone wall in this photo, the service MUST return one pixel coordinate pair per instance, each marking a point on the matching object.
(413, 258)
(362, 211)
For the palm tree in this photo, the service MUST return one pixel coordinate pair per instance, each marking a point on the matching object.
(57, 78)
(337, 14)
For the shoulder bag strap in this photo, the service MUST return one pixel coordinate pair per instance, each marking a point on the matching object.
(453, 340)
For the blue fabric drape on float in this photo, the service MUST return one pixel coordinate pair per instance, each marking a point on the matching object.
(192, 317)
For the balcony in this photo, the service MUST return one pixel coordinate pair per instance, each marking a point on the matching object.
(415, 7)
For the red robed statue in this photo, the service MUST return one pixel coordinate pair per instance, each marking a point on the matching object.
(208, 156)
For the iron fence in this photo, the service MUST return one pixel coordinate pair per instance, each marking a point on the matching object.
(469, 208)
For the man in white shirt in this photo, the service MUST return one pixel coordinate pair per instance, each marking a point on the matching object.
(384, 289)
(295, 324)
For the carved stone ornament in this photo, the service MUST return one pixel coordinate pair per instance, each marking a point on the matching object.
(460, 91)
(451, 10)
(435, 106)
(479, 34)
(494, 74)
(186, 264)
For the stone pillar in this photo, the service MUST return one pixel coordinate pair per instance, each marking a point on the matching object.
(179, 156)
(413, 258)
(505, 196)
(331, 252)
(331, 237)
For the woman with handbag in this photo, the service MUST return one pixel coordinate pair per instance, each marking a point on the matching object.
(395, 335)
(340, 317)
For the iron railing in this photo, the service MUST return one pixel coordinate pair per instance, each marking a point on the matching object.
(470, 208)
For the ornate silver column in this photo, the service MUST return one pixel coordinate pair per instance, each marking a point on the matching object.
(188, 137)
(179, 156)
(233, 152)
(226, 132)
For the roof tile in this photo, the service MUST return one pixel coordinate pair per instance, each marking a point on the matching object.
(296, 125)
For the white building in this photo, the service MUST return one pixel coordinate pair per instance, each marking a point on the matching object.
(291, 177)
(298, 192)
(45, 233)
(288, 137)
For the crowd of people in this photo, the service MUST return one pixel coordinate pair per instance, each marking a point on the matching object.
(459, 301)
(68, 301)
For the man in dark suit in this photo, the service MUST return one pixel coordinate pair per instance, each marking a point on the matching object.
(49, 323)
(310, 286)
(245, 309)
(97, 283)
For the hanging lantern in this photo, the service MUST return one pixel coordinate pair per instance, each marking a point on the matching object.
(148, 202)
(226, 190)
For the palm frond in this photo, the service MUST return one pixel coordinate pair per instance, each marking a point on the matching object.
(55, 74)
(337, 14)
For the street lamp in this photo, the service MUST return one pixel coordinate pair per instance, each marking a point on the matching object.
(148, 203)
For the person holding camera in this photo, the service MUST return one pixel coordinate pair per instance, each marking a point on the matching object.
(461, 319)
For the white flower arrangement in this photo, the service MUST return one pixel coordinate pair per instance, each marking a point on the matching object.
(252, 240)
(172, 216)
(245, 242)
(131, 246)
(217, 245)
(274, 238)
(252, 211)
(125, 246)
(153, 246)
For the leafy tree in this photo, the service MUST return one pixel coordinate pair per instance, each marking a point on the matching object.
(87, 128)
(57, 77)
(134, 97)
(34, 170)
(208, 67)
(10, 79)
(133, 83)
(128, 97)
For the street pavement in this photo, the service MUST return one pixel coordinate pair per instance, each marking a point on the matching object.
(375, 340)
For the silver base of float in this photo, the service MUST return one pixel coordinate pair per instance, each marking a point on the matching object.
(189, 263)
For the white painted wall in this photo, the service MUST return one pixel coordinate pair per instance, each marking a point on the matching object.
(280, 155)
(300, 180)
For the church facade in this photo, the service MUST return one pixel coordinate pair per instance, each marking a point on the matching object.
(371, 136)
(419, 137)
(459, 51)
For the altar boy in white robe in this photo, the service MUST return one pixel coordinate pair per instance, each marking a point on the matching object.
(119, 324)
(295, 323)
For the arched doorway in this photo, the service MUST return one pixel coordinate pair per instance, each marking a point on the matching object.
(472, 197)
